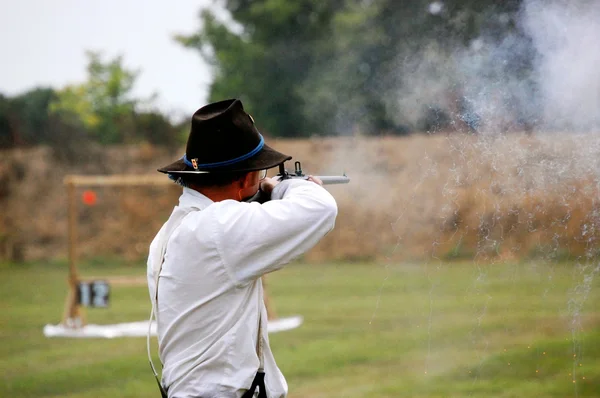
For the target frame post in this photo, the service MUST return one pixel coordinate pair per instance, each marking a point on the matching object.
(74, 315)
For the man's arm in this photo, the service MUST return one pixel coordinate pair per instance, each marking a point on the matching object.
(255, 239)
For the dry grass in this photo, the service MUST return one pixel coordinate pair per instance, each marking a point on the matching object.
(460, 196)
(446, 196)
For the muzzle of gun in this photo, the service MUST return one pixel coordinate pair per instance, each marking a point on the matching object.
(261, 197)
(327, 180)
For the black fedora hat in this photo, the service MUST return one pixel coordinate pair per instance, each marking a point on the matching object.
(223, 138)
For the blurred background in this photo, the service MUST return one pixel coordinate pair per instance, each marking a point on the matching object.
(466, 255)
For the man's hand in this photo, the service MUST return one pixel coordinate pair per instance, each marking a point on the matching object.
(266, 188)
(316, 180)
(268, 184)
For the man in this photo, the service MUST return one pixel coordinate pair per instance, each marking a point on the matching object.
(210, 255)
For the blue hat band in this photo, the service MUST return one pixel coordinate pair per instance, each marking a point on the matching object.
(253, 152)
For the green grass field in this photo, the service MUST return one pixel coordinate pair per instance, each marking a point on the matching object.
(370, 330)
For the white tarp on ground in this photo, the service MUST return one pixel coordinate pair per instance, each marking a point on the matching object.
(140, 329)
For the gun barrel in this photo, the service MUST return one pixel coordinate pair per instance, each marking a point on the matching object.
(330, 180)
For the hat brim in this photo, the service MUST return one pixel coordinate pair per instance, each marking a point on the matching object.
(267, 158)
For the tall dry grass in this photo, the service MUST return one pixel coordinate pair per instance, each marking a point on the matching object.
(486, 197)
(449, 196)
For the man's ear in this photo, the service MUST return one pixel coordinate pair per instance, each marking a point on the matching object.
(247, 180)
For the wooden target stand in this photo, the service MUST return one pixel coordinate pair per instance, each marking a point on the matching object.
(74, 315)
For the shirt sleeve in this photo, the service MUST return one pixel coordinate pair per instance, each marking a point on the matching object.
(254, 239)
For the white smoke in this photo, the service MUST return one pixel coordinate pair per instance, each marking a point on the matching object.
(436, 7)
(566, 36)
(545, 76)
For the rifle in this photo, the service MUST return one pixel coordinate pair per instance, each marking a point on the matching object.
(262, 197)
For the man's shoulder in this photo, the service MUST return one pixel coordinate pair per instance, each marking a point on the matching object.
(229, 206)
(212, 216)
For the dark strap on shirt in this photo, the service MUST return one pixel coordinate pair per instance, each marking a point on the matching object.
(163, 392)
(259, 381)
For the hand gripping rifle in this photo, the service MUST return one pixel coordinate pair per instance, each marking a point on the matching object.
(262, 197)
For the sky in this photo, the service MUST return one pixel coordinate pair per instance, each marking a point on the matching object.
(43, 43)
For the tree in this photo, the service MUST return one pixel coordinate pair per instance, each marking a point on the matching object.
(266, 62)
(155, 128)
(308, 66)
(392, 65)
(33, 110)
(104, 104)
(6, 135)
(102, 109)
(24, 118)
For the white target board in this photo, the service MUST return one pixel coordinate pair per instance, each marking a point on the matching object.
(140, 329)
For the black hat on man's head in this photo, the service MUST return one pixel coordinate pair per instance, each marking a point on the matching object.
(223, 138)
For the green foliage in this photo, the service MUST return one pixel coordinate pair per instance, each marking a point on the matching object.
(102, 109)
(73, 106)
(104, 104)
(24, 119)
(266, 63)
(155, 128)
(6, 135)
(313, 67)
(34, 118)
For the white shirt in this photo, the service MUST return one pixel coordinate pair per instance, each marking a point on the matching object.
(210, 291)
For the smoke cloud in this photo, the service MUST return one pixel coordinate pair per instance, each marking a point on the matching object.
(565, 35)
(544, 75)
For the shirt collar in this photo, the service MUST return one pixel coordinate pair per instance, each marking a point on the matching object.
(192, 198)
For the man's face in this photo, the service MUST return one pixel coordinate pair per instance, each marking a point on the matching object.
(251, 183)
